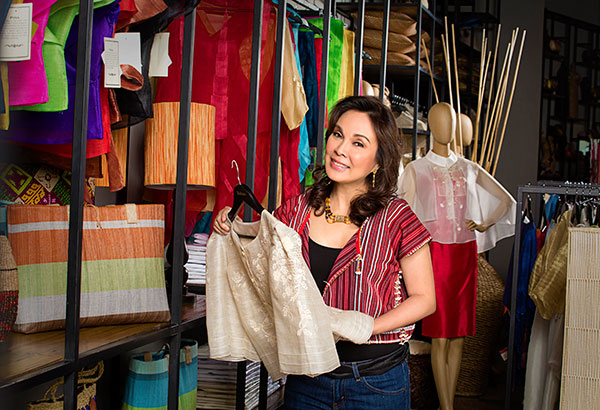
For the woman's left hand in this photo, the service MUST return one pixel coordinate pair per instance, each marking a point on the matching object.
(471, 225)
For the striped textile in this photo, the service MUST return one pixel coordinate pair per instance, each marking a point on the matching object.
(367, 276)
(122, 275)
(148, 381)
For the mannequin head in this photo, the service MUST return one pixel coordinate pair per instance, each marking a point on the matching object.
(467, 130)
(367, 89)
(442, 124)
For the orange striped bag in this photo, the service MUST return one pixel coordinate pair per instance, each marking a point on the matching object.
(122, 275)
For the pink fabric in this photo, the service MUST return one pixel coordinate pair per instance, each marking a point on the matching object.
(27, 79)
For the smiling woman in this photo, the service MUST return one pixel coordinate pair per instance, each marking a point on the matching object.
(367, 252)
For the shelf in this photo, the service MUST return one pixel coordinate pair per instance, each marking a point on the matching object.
(398, 71)
(410, 131)
(28, 360)
(406, 8)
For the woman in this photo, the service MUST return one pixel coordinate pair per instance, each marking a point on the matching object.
(368, 252)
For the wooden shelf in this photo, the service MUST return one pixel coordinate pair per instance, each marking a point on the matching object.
(403, 71)
(27, 360)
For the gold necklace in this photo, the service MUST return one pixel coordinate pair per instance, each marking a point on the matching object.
(333, 218)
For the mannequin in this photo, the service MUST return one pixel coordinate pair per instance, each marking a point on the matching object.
(466, 211)
(467, 130)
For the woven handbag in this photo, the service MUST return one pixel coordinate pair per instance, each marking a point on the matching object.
(86, 392)
(9, 288)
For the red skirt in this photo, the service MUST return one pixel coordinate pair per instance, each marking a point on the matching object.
(455, 275)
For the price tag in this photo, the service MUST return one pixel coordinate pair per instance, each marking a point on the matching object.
(112, 69)
(15, 38)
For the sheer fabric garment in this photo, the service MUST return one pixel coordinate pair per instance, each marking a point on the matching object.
(262, 303)
(450, 190)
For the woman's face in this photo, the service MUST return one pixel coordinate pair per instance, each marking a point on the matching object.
(351, 149)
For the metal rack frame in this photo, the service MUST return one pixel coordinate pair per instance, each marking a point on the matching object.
(543, 187)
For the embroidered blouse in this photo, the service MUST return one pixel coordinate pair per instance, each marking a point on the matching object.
(367, 275)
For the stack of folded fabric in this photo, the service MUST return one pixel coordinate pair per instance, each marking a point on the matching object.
(402, 38)
(217, 383)
(196, 265)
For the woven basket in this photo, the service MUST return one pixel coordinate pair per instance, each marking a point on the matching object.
(399, 22)
(396, 42)
(392, 57)
(423, 395)
(9, 288)
(475, 364)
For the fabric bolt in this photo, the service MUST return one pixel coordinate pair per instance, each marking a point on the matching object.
(60, 21)
(9, 288)
(382, 392)
(455, 277)
(347, 66)
(57, 127)
(336, 43)
(27, 79)
(262, 303)
(222, 79)
(122, 271)
(367, 275)
(450, 190)
(303, 146)
(547, 284)
(306, 50)
(525, 309)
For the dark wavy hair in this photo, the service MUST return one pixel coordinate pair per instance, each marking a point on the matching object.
(387, 157)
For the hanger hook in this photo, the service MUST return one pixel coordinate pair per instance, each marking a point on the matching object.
(237, 170)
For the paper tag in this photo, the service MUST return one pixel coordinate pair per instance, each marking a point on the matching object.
(112, 69)
(130, 49)
(159, 56)
(15, 38)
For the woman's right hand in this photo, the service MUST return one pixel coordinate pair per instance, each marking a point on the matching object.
(220, 225)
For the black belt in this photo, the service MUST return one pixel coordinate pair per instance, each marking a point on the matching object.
(371, 367)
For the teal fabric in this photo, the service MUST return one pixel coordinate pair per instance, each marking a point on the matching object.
(303, 147)
(148, 382)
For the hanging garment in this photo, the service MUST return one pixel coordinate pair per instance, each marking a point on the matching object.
(525, 308)
(27, 79)
(303, 147)
(263, 304)
(222, 79)
(449, 190)
(548, 278)
(308, 62)
(347, 67)
(57, 127)
(59, 25)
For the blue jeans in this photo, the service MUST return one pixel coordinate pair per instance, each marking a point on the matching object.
(390, 390)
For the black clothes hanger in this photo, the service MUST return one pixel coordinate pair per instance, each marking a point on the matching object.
(242, 194)
(527, 209)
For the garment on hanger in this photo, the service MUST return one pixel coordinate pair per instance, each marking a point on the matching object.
(303, 147)
(262, 303)
(547, 284)
(27, 79)
(308, 62)
(433, 177)
(347, 66)
(59, 25)
(57, 127)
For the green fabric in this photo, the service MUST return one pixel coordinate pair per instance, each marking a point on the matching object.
(61, 18)
(336, 46)
(48, 279)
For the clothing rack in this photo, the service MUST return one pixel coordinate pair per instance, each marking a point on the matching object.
(541, 188)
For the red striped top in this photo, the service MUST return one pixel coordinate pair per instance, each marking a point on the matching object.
(366, 275)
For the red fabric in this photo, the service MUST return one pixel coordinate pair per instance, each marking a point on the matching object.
(221, 76)
(319, 56)
(289, 141)
(455, 275)
(383, 240)
(128, 10)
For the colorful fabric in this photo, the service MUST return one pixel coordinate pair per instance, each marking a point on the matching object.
(3, 66)
(367, 274)
(455, 276)
(9, 288)
(38, 185)
(122, 274)
(308, 63)
(57, 127)
(4, 116)
(147, 385)
(28, 84)
(303, 147)
(347, 66)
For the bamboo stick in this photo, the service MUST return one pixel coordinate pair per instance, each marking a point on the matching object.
(460, 145)
(496, 119)
(445, 46)
(437, 99)
(492, 78)
(481, 64)
(486, 129)
(487, 66)
(512, 93)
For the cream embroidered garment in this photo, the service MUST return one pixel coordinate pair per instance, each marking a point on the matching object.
(262, 303)
(449, 190)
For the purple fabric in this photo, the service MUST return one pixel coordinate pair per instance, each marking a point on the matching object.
(27, 79)
(57, 127)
